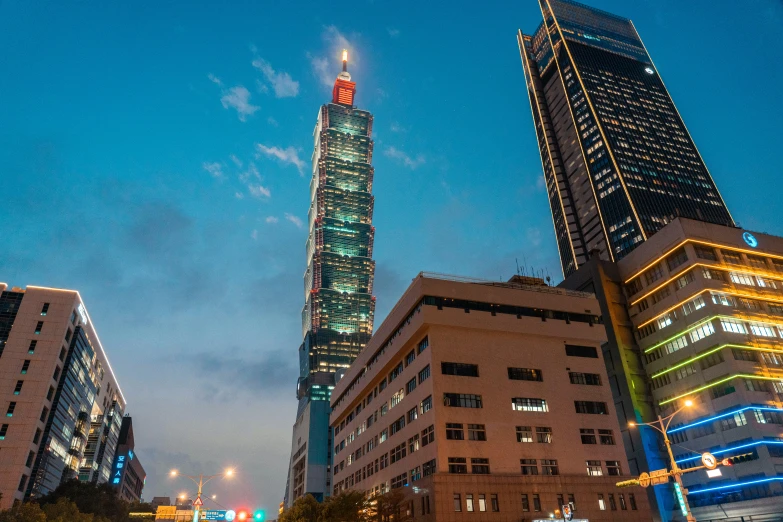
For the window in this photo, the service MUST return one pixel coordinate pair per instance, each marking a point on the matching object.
(469, 502)
(632, 501)
(460, 369)
(458, 465)
(411, 385)
(693, 305)
(573, 350)
(68, 335)
(710, 360)
(37, 436)
(592, 407)
(549, 467)
(396, 399)
(612, 503)
(529, 466)
(493, 500)
(607, 437)
(44, 414)
(457, 502)
(701, 332)
(413, 414)
(11, 408)
(674, 345)
(410, 358)
(733, 421)
(424, 374)
(754, 385)
(428, 435)
(525, 374)
(31, 349)
(384, 409)
(62, 354)
(384, 435)
(622, 502)
(461, 400)
(704, 252)
(413, 443)
(454, 431)
(527, 404)
(384, 460)
(653, 274)
(767, 417)
(395, 372)
(588, 436)
(482, 502)
(676, 258)
(536, 502)
(666, 319)
(734, 326)
(762, 330)
(741, 279)
(399, 481)
(684, 280)
(398, 452)
(525, 503)
(477, 432)
(613, 467)
(382, 385)
(591, 379)
(594, 468)
(723, 299)
(744, 355)
(56, 375)
(770, 359)
(716, 275)
(426, 405)
(660, 295)
(38, 327)
(18, 388)
(45, 309)
(423, 344)
(479, 466)
(22, 482)
(544, 435)
(684, 371)
(601, 503)
(428, 468)
(3, 431)
(702, 430)
(524, 434)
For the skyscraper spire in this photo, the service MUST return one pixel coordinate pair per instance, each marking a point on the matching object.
(344, 89)
(345, 60)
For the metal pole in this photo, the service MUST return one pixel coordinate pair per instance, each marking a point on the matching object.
(198, 497)
(676, 472)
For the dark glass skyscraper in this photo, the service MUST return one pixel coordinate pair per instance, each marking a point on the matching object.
(337, 319)
(618, 160)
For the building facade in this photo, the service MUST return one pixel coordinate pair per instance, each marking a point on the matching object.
(54, 377)
(618, 161)
(485, 397)
(128, 475)
(337, 319)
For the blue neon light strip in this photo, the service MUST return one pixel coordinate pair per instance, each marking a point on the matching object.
(722, 415)
(734, 485)
(726, 450)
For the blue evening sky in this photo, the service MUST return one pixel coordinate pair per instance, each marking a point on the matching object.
(155, 156)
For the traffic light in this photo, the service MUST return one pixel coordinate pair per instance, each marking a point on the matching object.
(258, 515)
(243, 515)
(737, 459)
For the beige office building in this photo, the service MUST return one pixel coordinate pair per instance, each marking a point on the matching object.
(486, 401)
(61, 404)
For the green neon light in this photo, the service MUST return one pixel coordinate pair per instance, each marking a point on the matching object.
(670, 339)
(730, 377)
(705, 354)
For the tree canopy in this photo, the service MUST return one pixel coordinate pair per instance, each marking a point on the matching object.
(349, 506)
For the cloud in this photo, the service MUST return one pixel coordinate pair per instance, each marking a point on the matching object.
(237, 161)
(239, 195)
(282, 83)
(271, 121)
(215, 169)
(271, 219)
(254, 235)
(325, 64)
(295, 220)
(320, 68)
(396, 127)
(214, 79)
(393, 32)
(406, 160)
(287, 155)
(238, 98)
(259, 191)
(272, 371)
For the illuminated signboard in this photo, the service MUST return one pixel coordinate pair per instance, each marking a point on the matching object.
(214, 515)
(750, 239)
(83, 313)
(678, 493)
(118, 467)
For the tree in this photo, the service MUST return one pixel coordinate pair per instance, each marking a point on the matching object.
(304, 509)
(65, 511)
(348, 506)
(390, 507)
(26, 512)
(101, 501)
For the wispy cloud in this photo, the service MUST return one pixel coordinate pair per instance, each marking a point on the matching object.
(320, 68)
(396, 127)
(282, 83)
(237, 161)
(214, 168)
(237, 98)
(254, 235)
(239, 195)
(393, 32)
(405, 159)
(295, 220)
(271, 121)
(259, 191)
(271, 219)
(251, 178)
(324, 64)
(286, 156)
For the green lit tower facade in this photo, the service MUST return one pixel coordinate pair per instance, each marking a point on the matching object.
(337, 318)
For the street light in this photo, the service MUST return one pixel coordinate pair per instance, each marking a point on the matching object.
(676, 471)
(200, 480)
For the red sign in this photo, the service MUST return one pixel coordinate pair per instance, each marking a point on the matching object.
(198, 502)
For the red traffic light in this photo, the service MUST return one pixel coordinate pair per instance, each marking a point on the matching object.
(242, 515)
(727, 462)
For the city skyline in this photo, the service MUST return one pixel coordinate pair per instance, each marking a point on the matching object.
(89, 187)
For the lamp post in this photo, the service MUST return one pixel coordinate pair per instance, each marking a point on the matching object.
(200, 480)
(662, 425)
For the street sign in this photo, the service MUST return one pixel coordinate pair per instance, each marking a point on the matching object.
(213, 515)
(680, 499)
(198, 502)
(709, 460)
(659, 476)
(644, 479)
(712, 473)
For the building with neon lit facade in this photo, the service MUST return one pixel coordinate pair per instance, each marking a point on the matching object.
(618, 161)
(337, 319)
(57, 389)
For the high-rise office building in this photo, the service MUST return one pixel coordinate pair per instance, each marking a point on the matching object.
(485, 400)
(618, 161)
(55, 378)
(127, 474)
(337, 318)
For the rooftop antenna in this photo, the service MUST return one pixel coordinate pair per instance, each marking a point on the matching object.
(517, 261)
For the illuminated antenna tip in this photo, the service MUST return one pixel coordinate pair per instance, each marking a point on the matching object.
(345, 55)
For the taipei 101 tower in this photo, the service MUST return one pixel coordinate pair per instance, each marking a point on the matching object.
(337, 318)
